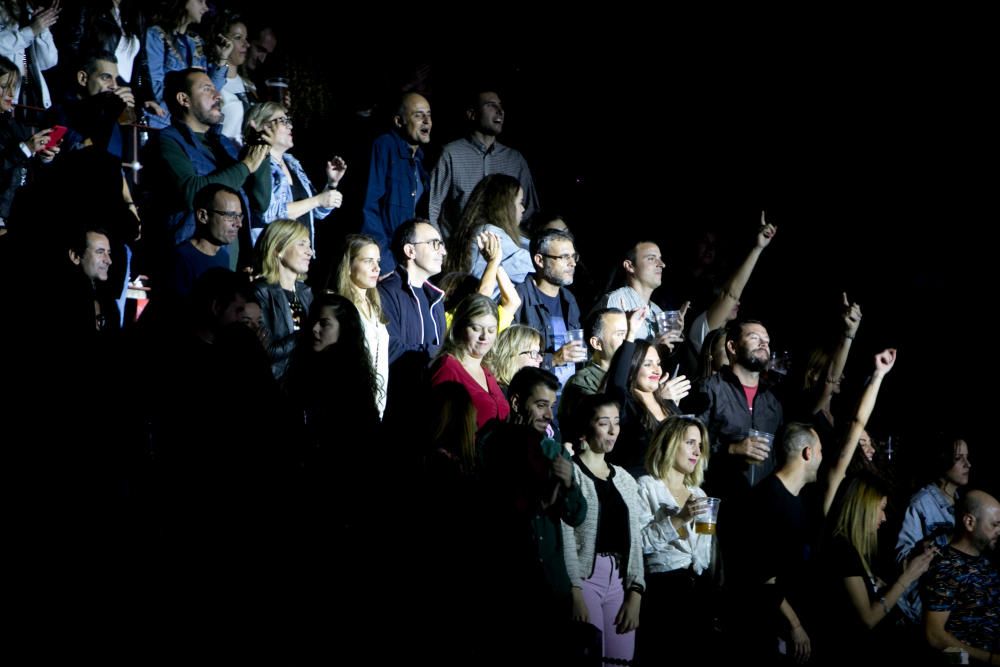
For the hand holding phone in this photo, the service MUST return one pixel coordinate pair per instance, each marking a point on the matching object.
(55, 136)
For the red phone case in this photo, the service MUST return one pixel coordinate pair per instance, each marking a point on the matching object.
(56, 135)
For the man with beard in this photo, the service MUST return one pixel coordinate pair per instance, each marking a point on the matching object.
(961, 591)
(529, 493)
(730, 404)
(550, 308)
(397, 178)
(467, 161)
(193, 153)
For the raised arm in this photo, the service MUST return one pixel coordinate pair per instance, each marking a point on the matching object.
(884, 361)
(852, 320)
(732, 289)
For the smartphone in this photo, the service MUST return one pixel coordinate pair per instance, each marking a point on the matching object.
(56, 135)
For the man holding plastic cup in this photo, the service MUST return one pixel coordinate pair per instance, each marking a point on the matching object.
(734, 402)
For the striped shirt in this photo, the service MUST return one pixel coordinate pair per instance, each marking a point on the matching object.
(462, 165)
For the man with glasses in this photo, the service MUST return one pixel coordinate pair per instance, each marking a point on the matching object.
(397, 178)
(467, 161)
(414, 312)
(218, 217)
(546, 304)
(413, 306)
(193, 153)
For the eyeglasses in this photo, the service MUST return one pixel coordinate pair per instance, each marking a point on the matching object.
(565, 258)
(435, 244)
(534, 354)
(283, 120)
(230, 216)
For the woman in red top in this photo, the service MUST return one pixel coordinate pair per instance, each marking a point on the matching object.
(470, 336)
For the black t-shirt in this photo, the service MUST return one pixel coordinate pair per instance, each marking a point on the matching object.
(612, 518)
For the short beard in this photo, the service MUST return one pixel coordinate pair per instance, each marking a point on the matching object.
(556, 280)
(753, 364)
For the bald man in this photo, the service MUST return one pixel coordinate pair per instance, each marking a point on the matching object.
(961, 591)
(397, 178)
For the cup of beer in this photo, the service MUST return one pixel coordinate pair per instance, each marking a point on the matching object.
(704, 521)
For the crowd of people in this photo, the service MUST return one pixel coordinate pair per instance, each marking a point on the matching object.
(373, 402)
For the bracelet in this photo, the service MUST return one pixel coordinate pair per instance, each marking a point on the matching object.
(885, 607)
(848, 336)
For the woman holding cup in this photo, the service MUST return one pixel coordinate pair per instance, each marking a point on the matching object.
(676, 552)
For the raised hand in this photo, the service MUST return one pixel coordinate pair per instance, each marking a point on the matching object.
(675, 389)
(225, 48)
(489, 245)
(765, 233)
(852, 317)
(335, 170)
(45, 19)
(885, 360)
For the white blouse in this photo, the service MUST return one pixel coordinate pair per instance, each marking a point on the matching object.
(377, 338)
(665, 550)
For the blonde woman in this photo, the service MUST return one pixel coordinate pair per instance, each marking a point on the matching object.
(516, 347)
(861, 600)
(676, 555)
(357, 278)
(469, 339)
(283, 256)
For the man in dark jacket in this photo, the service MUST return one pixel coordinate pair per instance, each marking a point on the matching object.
(731, 403)
(546, 304)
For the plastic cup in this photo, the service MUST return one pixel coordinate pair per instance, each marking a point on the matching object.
(704, 522)
(762, 436)
(576, 335)
(668, 320)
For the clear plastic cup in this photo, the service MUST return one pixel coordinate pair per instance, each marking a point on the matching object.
(704, 522)
(761, 436)
(668, 320)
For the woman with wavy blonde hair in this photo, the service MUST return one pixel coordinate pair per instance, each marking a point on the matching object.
(677, 556)
(517, 346)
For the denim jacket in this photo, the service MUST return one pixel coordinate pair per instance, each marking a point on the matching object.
(172, 53)
(281, 197)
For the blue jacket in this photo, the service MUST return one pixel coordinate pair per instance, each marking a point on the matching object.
(396, 180)
(406, 321)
